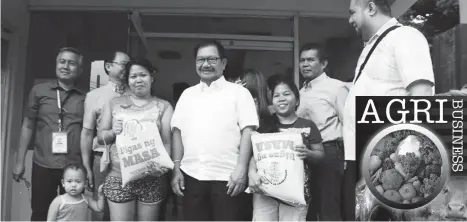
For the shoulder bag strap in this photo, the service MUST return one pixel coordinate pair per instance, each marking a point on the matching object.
(373, 49)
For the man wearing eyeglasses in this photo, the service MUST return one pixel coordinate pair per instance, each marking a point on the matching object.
(91, 151)
(52, 125)
(211, 148)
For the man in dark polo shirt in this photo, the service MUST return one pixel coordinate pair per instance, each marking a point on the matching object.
(44, 120)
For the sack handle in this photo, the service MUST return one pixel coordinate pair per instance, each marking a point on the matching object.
(373, 49)
(105, 144)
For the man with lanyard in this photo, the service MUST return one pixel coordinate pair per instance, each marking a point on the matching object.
(52, 124)
(394, 62)
(322, 101)
(91, 151)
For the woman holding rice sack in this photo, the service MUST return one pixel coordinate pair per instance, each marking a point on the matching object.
(136, 194)
(285, 99)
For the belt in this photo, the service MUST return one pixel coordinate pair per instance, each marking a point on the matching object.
(339, 144)
(96, 153)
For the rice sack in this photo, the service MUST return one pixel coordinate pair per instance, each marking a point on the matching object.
(139, 143)
(279, 166)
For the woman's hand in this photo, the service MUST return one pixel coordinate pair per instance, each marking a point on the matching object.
(254, 182)
(303, 152)
(99, 190)
(156, 169)
(240, 82)
(117, 126)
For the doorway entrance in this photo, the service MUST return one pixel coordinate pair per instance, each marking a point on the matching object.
(264, 43)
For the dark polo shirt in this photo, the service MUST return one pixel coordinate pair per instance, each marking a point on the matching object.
(42, 108)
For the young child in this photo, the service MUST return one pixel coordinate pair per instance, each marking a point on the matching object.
(73, 205)
(285, 101)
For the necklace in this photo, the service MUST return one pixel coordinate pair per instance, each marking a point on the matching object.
(137, 101)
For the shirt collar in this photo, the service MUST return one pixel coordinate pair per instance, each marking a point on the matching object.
(309, 84)
(217, 84)
(119, 88)
(388, 24)
(55, 86)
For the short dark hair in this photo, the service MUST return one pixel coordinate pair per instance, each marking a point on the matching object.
(322, 54)
(141, 62)
(75, 166)
(220, 48)
(383, 5)
(109, 57)
(72, 50)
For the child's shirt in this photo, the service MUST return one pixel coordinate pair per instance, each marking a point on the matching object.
(310, 134)
(73, 211)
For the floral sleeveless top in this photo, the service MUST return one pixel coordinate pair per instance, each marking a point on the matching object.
(153, 111)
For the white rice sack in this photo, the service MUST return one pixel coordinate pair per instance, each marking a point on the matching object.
(279, 166)
(138, 144)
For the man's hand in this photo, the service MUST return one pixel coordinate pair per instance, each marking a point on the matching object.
(254, 182)
(178, 182)
(18, 171)
(99, 190)
(302, 152)
(237, 182)
(90, 178)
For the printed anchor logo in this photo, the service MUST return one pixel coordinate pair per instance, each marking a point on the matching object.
(274, 175)
(131, 129)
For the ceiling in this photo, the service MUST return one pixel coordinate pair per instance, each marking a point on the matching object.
(319, 8)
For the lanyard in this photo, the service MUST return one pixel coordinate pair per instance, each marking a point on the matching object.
(60, 112)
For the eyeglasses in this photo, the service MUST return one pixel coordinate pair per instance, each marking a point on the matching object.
(211, 60)
(120, 64)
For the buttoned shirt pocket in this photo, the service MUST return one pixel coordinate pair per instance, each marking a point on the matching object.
(47, 106)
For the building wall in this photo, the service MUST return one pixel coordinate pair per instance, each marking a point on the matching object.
(93, 34)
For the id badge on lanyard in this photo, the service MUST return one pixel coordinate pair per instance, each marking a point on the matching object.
(59, 138)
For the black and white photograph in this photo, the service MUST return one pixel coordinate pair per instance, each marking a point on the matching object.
(227, 110)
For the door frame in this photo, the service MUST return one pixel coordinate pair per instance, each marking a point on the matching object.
(9, 34)
(248, 42)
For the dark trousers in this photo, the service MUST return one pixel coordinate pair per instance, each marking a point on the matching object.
(44, 183)
(208, 201)
(326, 184)
(348, 191)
